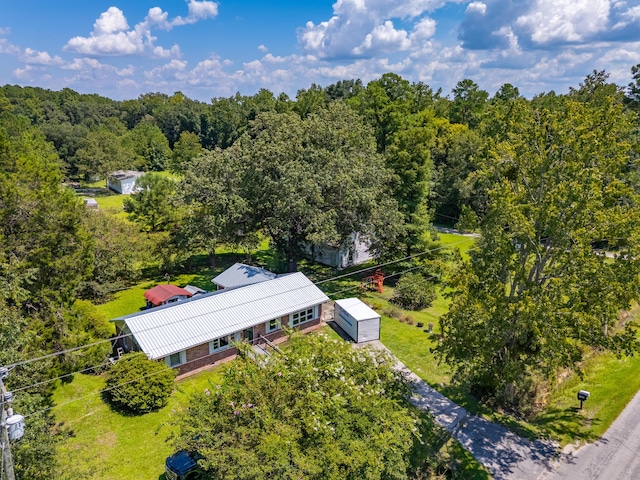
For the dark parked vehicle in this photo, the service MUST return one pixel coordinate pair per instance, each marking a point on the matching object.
(181, 466)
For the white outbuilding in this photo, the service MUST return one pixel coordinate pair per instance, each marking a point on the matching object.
(357, 319)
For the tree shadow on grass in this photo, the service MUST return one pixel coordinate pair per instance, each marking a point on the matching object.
(462, 397)
(567, 423)
(120, 410)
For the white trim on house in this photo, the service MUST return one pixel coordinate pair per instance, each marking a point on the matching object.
(302, 316)
(273, 325)
(182, 358)
(219, 344)
(171, 328)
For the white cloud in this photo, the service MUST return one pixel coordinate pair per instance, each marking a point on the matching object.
(8, 48)
(23, 73)
(552, 21)
(173, 70)
(35, 57)
(384, 38)
(262, 48)
(5, 30)
(201, 10)
(111, 34)
(477, 7)
(424, 29)
(111, 21)
(365, 28)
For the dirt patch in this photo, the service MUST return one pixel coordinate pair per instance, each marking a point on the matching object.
(107, 439)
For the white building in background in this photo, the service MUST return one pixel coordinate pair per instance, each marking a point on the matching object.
(124, 181)
(352, 252)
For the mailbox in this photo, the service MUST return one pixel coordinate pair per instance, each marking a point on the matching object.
(583, 395)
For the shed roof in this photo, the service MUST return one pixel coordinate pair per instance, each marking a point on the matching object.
(176, 327)
(357, 309)
(193, 290)
(162, 293)
(125, 174)
(240, 274)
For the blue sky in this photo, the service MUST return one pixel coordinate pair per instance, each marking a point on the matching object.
(209, 49)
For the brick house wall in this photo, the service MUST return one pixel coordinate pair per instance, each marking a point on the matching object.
(199, 356)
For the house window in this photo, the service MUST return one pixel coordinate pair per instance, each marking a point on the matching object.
(273, 325)
(218, 344)
(176, 359)
(302, 316)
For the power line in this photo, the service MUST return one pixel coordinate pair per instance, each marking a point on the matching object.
(107, 389)
(104, 390)
(337, 277)
(446, 216)
(66, 375)
(385, 277)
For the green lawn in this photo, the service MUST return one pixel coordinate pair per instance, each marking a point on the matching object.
(132, 299)
(101, 443)
(461, 242)
(612, 382)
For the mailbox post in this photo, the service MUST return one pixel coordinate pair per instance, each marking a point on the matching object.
(582, 396)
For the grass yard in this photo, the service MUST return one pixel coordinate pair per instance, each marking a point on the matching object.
(612, 382)
(461, 242)
(101, 443)
(132, 299)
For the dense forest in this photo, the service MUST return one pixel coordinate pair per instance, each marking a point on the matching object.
(549, 182)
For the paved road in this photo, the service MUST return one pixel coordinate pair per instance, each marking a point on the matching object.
(616, 456)
(506, 455)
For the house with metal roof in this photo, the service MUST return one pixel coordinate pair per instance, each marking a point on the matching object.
(193, 333)
(239, 275)
(164, 294)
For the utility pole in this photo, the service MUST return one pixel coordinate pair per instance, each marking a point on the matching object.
(5, 398)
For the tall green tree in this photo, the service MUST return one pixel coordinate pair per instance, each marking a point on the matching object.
(309, 101)
(152, 204)
(317, 181)
(469, 102)
(385, 103)
(409, 157)
(184, 151)
(453, 153)
(119, 254)
(539, 290)
(211, 192)
(633, 89)
(322, 411)
(149, 147)
(101, 154)
(41, 228)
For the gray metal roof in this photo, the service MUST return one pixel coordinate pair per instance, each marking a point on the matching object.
(176, 327)
(240, 274)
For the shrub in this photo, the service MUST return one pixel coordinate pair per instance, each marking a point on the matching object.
(139, 385)
(414, 292)
(393, 312)
(325, 410)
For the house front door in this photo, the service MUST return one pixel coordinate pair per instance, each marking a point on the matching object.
(248, 334)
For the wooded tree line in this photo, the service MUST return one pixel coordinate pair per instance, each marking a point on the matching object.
(551, 183)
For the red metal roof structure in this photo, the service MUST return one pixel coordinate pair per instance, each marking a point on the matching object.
(161, 293)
